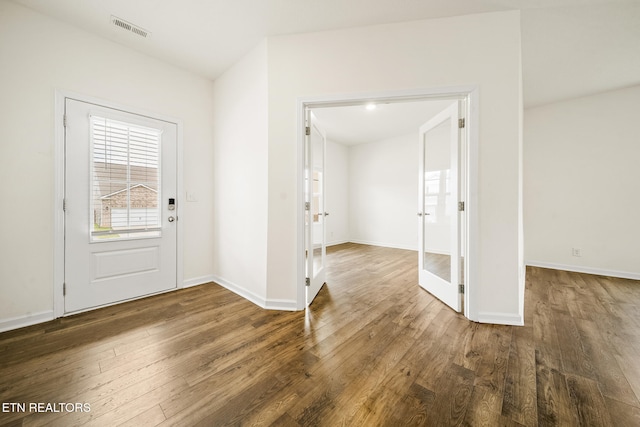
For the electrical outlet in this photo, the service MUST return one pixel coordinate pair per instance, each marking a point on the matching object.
(576, 252)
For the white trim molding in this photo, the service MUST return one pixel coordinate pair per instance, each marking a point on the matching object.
(281, 304)
(584, 269)
(267, 304)
(383, 245)
(512, 319)
(25, 320)
(196, 281)
(470, 93)
(58, 214)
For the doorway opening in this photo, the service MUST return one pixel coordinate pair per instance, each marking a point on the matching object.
(383, 136)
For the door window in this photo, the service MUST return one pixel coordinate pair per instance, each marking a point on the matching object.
(125, 173)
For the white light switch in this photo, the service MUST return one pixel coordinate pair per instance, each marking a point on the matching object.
(191, 196)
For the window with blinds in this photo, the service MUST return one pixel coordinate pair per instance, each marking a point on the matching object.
(125, 161)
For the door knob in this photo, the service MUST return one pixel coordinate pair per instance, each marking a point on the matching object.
(171, 219)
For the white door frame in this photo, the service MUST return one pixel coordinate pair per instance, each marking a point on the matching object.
(58, 184)
(470, 93)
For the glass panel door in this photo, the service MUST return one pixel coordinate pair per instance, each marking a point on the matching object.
(317, 204)
(315, 215)
(438, 207)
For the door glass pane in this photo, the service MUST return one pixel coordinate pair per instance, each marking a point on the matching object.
(317, 202)
(439, 207)
(125, 172)
(307, 216)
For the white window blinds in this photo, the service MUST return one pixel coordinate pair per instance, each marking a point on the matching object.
(125, 161)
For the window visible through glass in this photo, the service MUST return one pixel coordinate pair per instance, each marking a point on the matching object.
(125, 160)
(437, 194)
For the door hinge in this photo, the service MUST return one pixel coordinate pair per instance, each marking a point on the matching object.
(461, 123)
(307, 131)
(64, 121)
(64, 289)
(461, 206)
(307, 282)
(461, 289)
(64, 205)
(307, 206)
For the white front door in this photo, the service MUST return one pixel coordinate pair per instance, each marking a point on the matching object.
(315, 215)
(438, 197)
(120, 206)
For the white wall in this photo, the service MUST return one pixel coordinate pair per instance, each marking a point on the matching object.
(477, 49)
(582, 183)
(38, 56)
(337, 198)
(374, 187)
(383, 188)
(240, 170)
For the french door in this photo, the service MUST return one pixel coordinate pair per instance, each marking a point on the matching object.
(120, 206)
(315, 215)
(440, 207)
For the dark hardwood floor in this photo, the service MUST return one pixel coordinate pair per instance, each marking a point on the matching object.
(373, 349)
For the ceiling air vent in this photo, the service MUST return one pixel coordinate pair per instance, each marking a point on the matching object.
(129, 27)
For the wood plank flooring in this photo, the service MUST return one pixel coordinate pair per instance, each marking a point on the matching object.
(373, 349)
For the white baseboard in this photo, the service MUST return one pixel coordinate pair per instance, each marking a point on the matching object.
(239, 290)
(436, 251)
(198, 281)
(338, 242)
(280, 304)
(25, 320)
(268, 304)
(501, 318)
(384, 245)
(583, 269)
(45, 316)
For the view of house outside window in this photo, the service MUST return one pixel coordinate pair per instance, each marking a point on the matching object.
(126, 180)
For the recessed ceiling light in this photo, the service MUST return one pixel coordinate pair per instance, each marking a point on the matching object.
(371, 106)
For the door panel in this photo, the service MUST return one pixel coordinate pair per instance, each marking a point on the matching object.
(120, 263)
(120, 230)
(315, 216)
(439, 243)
